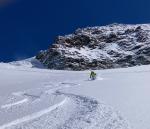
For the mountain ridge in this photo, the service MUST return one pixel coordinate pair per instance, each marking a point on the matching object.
(111, 46)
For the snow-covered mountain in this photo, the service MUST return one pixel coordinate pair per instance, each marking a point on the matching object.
(33, 98)
(111, 46)
(27, 63)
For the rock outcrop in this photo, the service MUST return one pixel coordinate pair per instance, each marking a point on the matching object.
(112, 46)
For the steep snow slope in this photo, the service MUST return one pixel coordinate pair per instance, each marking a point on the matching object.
(32, 98)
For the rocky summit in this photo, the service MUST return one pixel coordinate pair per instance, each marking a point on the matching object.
(111, 46)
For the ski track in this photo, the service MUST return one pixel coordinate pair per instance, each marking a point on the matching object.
(14, 104)
(74, 112)
(90, 114)
(32, 116)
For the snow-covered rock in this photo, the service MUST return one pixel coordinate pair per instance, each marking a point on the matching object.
(111, 46)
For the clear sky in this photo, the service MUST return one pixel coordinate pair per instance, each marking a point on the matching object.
(27, 26)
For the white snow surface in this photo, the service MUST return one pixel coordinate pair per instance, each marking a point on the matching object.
(35, 98)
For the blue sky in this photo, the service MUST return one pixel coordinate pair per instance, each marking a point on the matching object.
(27, 26)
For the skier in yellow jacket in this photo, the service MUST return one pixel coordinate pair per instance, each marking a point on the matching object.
(92, 75)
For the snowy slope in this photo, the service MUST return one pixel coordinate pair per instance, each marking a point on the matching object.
(33, 98)
(27, 63)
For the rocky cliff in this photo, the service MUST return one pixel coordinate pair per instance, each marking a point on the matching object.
(111, 46)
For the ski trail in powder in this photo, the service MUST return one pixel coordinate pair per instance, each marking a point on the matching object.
(14, 104)
(73, 112)
(90, 114)
(32, 116)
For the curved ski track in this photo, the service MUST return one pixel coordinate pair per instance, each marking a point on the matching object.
(72, 112)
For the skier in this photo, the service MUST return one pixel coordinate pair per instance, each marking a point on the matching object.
(92, 75)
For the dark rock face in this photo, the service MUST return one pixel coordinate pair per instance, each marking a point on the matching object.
(111, 46)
